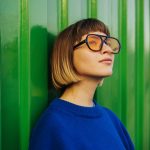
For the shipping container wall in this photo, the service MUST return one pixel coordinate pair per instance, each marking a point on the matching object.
(28, 29)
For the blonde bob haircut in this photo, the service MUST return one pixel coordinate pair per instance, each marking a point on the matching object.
(62, 68)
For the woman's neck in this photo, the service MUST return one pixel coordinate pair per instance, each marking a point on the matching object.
(81, 93)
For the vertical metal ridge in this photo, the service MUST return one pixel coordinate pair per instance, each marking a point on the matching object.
(123, 58)
(149, 80)
(146, 104)
(92, 8)
(24, 76)
(0, 90)
(62, 14)
(139, 68)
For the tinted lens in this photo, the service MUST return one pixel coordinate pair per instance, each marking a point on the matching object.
(94, 42)
(113, 44)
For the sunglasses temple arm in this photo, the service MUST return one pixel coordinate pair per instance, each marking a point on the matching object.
(84, 41)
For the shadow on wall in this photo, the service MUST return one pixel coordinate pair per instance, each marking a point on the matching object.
(52, 91)
(42, 89)
(41, 49)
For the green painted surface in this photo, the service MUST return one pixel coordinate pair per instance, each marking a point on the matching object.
(9, 75)
(28, 30)
(123, 58)
(139, 77)
(24, 76)
(63, 14)
(146, 102)
(92, 8)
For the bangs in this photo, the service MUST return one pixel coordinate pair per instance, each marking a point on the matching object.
(88, 25)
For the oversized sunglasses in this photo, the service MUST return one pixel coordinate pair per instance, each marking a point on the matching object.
(95, 43)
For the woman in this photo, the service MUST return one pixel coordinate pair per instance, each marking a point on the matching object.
(83, 56)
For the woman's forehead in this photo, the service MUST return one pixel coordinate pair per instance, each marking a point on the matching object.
(97, 32)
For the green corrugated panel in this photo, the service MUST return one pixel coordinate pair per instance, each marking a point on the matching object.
(0, 96)
(139, 73)
(92, 8)
(63, 14)
(146, 103)
(123, 58)
(0, 88)
(38, 59)
(9, 75)
(131, 68)
(28, 29)
(24, 75)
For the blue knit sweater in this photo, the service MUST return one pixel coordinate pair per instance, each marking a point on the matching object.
(67, 126)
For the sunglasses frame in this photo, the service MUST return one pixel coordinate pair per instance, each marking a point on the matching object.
(103, 41)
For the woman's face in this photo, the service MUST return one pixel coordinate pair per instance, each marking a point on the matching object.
(96, 64)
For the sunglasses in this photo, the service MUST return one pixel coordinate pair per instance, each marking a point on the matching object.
(95, 43)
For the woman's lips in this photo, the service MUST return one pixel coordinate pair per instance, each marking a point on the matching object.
(106, 61)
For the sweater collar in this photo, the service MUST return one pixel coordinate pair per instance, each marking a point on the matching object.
(75, 109)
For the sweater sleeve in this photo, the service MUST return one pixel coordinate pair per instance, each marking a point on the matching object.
(126, 138)
(42, 135)
(124, 135)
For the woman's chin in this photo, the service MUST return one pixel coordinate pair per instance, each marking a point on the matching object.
(105, 73)
(101, 76)
(96, 74)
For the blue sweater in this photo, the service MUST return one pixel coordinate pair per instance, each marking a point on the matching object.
(67, 126)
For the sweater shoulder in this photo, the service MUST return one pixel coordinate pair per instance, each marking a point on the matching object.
(121, 129)
(111, 114)
(114, 118)
(49, 119)
(45, 131)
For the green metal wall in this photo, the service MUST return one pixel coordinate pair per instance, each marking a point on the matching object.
(28, 29)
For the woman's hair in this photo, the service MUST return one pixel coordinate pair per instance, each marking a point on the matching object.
(63, 71)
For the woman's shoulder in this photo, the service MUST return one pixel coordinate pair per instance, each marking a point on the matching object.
(114, 118)
(121, 129)
(45, 130)
(111, 114)
(49, 119)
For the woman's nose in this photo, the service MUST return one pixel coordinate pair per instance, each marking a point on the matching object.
(106, 48)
